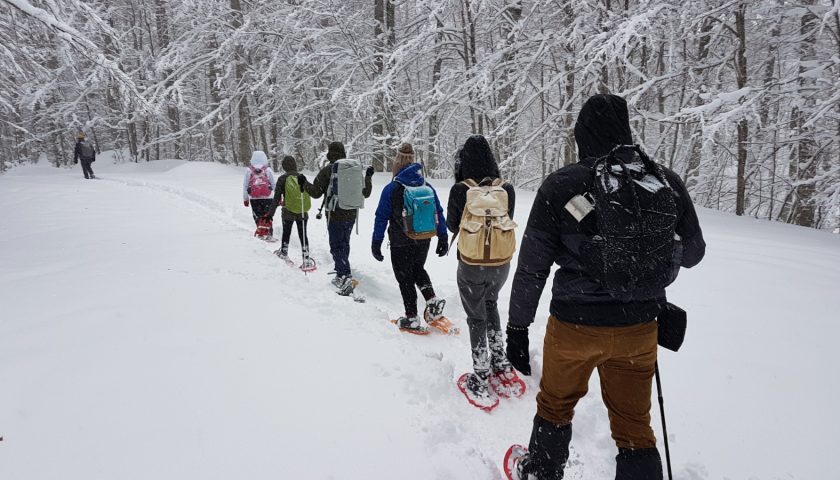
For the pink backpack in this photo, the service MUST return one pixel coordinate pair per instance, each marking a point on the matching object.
(259, 185)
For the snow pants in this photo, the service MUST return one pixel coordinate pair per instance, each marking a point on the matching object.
(86, 168)
(300, 221)
(409, 263)
(625, 359)
(479, 289)
(260, 208)
(340, 232)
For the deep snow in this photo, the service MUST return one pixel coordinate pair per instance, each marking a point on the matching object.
(144, 334)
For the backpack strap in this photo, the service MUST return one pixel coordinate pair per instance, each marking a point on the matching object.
(470, 183)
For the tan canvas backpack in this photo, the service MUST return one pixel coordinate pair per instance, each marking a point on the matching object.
(486, 235)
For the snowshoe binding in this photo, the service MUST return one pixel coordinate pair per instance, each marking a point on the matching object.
(434, 317)
(346, 287)
(308, 265)
(514, 461)
(283, 254)
(506, 383)
(475, 388)
(410, 325)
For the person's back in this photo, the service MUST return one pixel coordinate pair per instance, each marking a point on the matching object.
(86, 153)
(257, 192)
(596, 322)
(479, 285)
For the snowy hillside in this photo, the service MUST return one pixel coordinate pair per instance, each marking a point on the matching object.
(144, 334)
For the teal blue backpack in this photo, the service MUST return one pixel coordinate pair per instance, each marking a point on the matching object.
(420, 219)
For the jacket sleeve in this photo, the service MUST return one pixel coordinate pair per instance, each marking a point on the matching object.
(245, 195)
(383, 214)
(540, 247)
(76, 152)
(688, 226)
(368, 187)
(455, 207)
(279, 191)
(511, 199)
(320, 185)
(441, 219)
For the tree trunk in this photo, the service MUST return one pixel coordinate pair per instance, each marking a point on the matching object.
(743, 125)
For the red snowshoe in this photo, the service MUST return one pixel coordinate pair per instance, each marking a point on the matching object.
(308, 265)
(514, 455)
(477, 392)
(264, 229)
(419, 330)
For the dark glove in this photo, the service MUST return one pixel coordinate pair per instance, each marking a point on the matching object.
(245, 203)
(376, 250)
(302, 179)
(442, 246)
(517, 348)
(369, 172)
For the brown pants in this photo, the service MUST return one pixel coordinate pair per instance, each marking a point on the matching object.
(625, 358)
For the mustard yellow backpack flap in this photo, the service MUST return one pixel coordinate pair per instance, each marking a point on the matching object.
(486, 235)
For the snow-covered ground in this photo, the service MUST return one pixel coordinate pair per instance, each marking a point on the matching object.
(144, 334)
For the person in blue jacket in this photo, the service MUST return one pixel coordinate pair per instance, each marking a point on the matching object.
(408, 255)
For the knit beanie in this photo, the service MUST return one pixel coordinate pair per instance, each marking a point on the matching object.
(405, 157)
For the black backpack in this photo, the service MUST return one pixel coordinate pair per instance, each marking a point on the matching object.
(86, 151)
(634, 251)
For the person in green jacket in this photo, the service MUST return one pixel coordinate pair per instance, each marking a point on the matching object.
(296, 204)
(340, 222)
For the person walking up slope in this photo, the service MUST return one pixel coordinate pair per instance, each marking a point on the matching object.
(620, 227)
(85, 152)
(296, 204)
(480, 213)
(410, 210)
(257, 188)
(345, 188)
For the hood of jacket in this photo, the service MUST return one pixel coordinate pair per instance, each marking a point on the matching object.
(603, 123)
(410, 175)
(259, 159)
(476, 160)
(289, 164)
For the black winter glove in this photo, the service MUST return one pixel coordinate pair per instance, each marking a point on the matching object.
(517, 348)
(376, 250)
(442, 246)
(302, 179)
(369, 172)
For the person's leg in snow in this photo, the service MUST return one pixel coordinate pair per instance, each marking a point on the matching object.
(301, 223)
(625, 358)
(403, 264)
(472, 287)
(339, 232)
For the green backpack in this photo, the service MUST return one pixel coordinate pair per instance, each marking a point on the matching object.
(295, 202)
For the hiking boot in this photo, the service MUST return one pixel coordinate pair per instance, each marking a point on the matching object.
(638, 464)
(478, 387)
(548, 451)
(409, 323)
(434, 309)
(282, 253)
(308, 264)
(337, 281)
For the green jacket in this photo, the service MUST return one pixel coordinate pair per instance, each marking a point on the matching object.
(321, 185)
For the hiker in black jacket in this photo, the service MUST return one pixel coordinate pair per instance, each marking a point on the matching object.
(85, 152)
(592, 326)
(479, 285)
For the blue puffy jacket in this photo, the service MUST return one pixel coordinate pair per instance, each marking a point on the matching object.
(389, 210)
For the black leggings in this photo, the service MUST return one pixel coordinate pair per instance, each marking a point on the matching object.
(409, 268)
(260, 207)
(300, 222)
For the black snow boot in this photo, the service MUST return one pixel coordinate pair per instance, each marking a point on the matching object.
(638, 464)
(547, 451)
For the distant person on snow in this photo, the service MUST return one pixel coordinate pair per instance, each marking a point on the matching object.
(85, 152)
(296, 204)
(410, 210)
(482, 271)
(346, 186)
(619, 226)
(257, 191)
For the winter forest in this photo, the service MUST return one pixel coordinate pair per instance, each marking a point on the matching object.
(741, 98)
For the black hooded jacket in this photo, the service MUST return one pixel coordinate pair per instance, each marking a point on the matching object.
(552, 233)
(476, 162)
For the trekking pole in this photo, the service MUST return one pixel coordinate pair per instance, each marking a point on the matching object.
(662, 412)
(305, 244)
